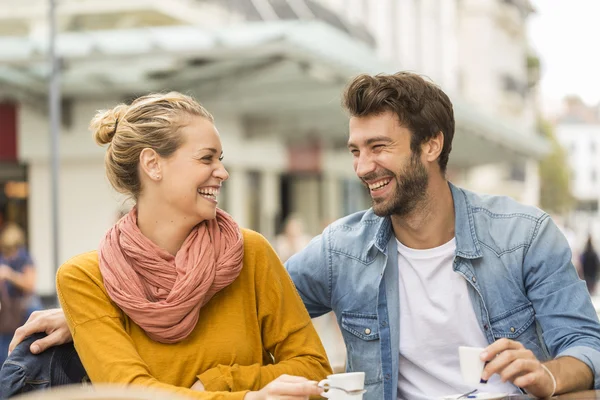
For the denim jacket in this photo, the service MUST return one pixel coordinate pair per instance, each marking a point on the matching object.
(522, 285)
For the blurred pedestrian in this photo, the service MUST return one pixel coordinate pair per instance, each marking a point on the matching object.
(292, 239)
(17, 284)
(2, 216)
(590, 265)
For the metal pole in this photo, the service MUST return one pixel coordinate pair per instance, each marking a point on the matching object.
(54, 97)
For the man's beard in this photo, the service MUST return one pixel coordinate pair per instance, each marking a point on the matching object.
(411, 189)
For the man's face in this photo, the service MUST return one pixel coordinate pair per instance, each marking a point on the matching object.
(397, 178)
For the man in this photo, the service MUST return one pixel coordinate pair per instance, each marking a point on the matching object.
(431, 267)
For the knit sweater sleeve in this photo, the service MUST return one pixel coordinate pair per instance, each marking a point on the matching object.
(288, 335)
(107, 352)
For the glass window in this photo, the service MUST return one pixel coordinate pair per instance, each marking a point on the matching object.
(587, 205)
(517, 172)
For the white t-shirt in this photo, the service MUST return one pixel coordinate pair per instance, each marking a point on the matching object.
(436, 317)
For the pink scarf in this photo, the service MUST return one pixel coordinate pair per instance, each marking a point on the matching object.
(163, 293)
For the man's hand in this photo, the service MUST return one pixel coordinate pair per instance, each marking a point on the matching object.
(52, 322)
(514, 363)
(286, 387)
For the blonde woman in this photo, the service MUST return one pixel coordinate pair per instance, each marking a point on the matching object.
(177, 296)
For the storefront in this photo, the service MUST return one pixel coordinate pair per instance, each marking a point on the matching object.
(14, 187)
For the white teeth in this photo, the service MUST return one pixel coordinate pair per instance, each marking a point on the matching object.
(378, 185)
(210, 193)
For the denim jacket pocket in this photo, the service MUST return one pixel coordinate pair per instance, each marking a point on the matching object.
(513, 323)
(364, 326)
(361, 334)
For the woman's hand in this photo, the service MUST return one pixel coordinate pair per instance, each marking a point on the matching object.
(288, 387)
(5, 272)
(52, 322)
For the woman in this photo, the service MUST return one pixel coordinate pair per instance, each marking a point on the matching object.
(177, 296)
(590, 265)
(292, 239)
(17, 284)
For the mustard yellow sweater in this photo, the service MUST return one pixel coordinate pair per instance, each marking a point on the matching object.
(260, 314)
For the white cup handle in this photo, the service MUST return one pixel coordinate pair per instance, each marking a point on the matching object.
(325, 385)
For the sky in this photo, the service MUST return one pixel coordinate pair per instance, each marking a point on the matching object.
(566, 36)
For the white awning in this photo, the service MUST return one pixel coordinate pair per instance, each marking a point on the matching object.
(290, 72)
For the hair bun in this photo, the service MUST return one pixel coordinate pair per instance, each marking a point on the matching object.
(106, 123)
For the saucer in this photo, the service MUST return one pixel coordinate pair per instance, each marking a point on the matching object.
(479, 395)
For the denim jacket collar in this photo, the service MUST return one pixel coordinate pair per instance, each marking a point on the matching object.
(467, 245)
(384, 234)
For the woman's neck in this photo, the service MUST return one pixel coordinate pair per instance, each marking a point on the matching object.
(163, 227)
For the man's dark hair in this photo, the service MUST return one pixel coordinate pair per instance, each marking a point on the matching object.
(421, 106)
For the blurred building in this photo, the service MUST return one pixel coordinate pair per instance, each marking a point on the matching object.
(498, 72)
(271, 71)
(478, 51)
(578, 131)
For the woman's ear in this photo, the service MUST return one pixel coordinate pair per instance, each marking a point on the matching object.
(150, 165)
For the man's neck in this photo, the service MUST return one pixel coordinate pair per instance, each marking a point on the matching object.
(431, 224)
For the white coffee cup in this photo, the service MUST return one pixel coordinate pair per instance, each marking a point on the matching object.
(471, 365)
(352, 381)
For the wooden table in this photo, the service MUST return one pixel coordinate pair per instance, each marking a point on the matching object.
(100, 392)
(589, 394)
(107, 392)
(586, 395)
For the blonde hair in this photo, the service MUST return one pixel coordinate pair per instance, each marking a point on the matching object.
(152, 121)
(12, 238)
